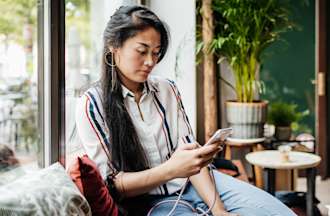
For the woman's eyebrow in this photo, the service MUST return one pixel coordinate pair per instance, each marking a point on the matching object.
(146, 45)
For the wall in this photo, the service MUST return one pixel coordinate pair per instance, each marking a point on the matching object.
(180, 17)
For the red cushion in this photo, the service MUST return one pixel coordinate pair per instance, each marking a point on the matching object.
(88, 179)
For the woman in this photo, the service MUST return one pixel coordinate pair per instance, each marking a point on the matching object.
(139, 122)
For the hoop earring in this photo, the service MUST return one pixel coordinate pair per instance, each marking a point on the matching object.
(113, 70)
(112, 64)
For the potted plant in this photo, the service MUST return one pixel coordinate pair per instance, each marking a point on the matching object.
(243, 29)
(283, 115)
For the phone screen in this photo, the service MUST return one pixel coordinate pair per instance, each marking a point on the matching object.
(220, 135)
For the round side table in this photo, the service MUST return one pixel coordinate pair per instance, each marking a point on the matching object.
(270, 160)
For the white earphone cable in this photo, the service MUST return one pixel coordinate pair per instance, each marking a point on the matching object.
(178, 200)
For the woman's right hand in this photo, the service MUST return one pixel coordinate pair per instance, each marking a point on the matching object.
(189, 159)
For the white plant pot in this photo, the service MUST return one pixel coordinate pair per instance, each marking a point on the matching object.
(247, 119)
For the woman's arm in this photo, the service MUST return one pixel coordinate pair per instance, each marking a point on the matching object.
(131, 184)
(204, 185)
(202, 181)
(186, 161)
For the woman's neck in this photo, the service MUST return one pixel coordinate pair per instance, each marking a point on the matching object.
(134, 87)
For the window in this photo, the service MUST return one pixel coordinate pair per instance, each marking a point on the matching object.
(19, 101)
(78, 66)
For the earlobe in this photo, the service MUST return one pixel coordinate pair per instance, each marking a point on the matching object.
(115, 52)
(111, 49)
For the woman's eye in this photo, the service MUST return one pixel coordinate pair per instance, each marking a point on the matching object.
(142, 52)
(156, 54)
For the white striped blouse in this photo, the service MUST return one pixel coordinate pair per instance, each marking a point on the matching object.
(159, 119)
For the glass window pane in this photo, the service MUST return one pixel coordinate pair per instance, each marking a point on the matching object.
(289, 79)
(78, 65)
(82, 57)
(19, 132)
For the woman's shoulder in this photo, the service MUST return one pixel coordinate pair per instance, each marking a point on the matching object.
(90, 101)
(93, 92)
(92, 96)
(161, 84)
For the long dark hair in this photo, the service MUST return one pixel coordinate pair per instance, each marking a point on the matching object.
(126, 150)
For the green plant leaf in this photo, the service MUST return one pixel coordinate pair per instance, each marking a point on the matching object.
(284, 114)
(243, 29)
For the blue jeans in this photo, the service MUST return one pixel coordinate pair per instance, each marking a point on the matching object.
(238, 197)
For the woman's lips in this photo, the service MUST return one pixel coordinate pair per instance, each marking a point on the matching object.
(146, 71)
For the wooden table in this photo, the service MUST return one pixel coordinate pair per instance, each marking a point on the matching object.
(270, 160)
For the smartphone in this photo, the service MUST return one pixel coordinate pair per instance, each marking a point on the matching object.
(220, 135)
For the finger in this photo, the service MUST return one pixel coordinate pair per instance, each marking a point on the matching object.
(206, 149)
(218, 149)
(212, 154)
(189, 146)
(207, 157)
(219, 142)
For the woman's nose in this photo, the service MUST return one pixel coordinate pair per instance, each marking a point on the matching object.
(149, 61)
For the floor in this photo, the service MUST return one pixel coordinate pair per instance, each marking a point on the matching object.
(322, 192)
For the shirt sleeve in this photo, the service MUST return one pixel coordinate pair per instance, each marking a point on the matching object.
(92, 132)
(185, 133)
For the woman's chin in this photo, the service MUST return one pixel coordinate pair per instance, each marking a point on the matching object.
(142, 78)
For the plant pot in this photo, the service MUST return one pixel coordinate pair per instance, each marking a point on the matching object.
(283, 132)
(247, 119)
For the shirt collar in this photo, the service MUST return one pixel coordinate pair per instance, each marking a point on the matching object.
(148, 86)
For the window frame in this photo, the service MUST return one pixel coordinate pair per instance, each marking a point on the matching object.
(57, 84)
(41, 86)
(51, 77)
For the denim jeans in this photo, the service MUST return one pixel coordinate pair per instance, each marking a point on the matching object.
(238, 197)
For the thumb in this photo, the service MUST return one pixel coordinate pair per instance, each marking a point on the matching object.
(189, 146)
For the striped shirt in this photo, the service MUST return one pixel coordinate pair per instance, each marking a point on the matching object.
(159, 119)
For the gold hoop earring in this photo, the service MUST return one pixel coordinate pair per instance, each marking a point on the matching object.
(112, 64)
(113, 70)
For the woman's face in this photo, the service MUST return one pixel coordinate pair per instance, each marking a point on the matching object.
(137, 57)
